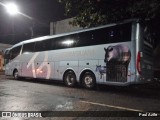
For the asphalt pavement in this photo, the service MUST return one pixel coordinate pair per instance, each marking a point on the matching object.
(55, 101)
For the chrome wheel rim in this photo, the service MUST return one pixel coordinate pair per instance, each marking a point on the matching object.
(88, 81)
(70, 79)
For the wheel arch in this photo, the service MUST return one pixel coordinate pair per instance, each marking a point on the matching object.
(15, 69)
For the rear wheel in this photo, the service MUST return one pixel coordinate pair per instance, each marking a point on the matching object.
(70, 79)
(89, 80)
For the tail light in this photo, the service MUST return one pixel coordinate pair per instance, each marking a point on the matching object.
(138, 63)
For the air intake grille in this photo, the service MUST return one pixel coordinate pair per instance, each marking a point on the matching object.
(116, 71)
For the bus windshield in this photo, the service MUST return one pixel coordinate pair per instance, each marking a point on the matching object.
(6, 57)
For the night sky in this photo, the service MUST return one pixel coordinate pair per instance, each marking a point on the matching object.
(42, 11)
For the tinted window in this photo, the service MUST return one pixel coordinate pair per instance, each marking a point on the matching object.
(15, 52)
(53, 44)
(43, 45)
(66, 41)
(114, 34)
(6, 57)
(123, 33)
(6, 54)
(85, 39)
(28, 47)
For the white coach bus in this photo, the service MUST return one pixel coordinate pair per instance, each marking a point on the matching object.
(115, 54)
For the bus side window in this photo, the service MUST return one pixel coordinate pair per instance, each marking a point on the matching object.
(39, 46)
(53, 44)
(43, 45)
(85, 39)
(28, 47)
(100, 36)
(47, 45)
(66, 42)
(123, 33)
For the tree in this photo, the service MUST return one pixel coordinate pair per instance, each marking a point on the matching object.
(89, 13)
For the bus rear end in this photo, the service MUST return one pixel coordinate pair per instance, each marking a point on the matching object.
(144, 54)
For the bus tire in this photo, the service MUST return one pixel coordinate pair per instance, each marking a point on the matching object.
(70, 79)
(89, 80)
(15, 75)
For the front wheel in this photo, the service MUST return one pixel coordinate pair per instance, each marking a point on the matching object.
(15, 75)
(70, 79)
(89, 80)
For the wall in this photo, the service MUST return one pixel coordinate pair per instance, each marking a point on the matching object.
(2, 49)
(62, 26)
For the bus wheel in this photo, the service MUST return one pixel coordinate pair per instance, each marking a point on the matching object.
(15, 74)
(70, 79)
(89, 80)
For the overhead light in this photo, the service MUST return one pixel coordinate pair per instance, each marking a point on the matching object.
(12, 8)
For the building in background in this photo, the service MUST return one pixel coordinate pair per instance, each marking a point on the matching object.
(62, 26)
(2, 48)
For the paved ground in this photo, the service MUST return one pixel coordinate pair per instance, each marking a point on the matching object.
(41, 95)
